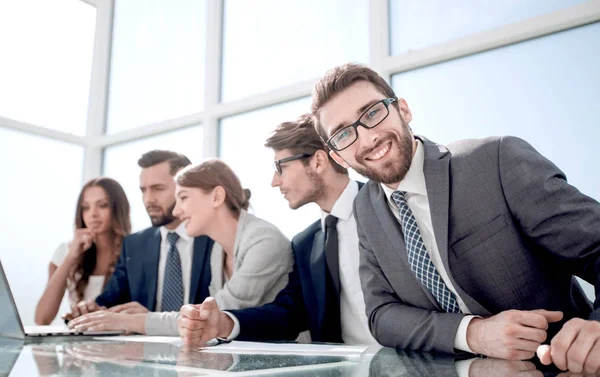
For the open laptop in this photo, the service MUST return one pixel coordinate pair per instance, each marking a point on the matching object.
(12, 327)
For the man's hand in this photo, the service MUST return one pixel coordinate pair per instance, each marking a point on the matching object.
(512, 334)
(105, 320)
(133, 307)
(576, 347)
(81, 308)
(200, 323)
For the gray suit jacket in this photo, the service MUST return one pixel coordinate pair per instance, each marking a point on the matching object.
(262, 262)
(511, 233)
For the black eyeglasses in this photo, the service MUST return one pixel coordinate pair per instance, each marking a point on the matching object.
(277, 163)
(371, 118)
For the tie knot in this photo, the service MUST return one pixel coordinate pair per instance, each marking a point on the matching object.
(172, 237)
(399, 198)
(330, 221)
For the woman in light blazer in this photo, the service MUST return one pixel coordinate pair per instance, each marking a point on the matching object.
(250, 260)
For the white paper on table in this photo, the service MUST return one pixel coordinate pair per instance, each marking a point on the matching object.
(240, 347)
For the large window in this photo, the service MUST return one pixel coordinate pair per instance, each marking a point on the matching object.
(271, 43)
(242, 140)
(42, 179)
(46, 61)
(120, 163)
(418, 24)
(526, 90)
(157, 62)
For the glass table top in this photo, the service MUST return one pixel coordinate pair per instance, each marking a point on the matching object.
(144, 358)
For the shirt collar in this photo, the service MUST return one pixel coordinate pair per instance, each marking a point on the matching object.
(414, 181)
(180, 230)
(342, 209)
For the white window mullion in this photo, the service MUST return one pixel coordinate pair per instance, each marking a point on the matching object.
(214, 47)
(99, 87)
(379, 36)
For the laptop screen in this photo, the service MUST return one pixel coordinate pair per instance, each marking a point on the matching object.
(10, 322)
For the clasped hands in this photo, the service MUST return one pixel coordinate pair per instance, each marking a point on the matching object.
(200, 323)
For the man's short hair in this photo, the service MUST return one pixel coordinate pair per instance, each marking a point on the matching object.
(300, 137)
(339, 78)
(176, 161)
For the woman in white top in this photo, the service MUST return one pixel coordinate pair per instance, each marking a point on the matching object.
(250, 261)
(83, 265)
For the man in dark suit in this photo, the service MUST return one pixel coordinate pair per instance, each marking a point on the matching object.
(472, 246)
(160, 268)
(323, 294)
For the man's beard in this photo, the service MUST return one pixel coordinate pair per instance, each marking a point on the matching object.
(396, 168)
(317, 189)
(165, 219)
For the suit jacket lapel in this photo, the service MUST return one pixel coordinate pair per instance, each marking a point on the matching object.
(200, 260)
(393, 231)
(390, 225)
(318, 273)
(151, 267)
(436, 169)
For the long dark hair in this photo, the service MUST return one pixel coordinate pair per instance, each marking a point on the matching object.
(121, 227)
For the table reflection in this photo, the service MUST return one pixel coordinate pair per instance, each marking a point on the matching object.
(147, 359)
(396, 363)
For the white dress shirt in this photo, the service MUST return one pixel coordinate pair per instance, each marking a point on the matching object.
(353, 318)
(416, 197)
(185, 246)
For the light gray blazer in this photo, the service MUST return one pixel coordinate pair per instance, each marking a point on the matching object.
(262, 261)
(511, 233)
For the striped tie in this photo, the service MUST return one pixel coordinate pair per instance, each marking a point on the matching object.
(418, 258)
(172, 298)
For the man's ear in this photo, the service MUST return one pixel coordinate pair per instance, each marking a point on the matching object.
(337, 158)
(218, 196)
(320, 160)
(405, 112)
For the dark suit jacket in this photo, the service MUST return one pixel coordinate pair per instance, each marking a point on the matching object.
(136, 272)
(510, 230)
(301, 304)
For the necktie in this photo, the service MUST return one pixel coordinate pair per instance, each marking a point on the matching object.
(172, 297)
(418, 258)
(331, 251)
(332, 331)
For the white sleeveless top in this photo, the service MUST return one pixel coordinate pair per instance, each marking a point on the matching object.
(95, 284)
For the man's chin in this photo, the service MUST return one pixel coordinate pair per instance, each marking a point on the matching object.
(296, 205)
(387, 175)
(160, 221)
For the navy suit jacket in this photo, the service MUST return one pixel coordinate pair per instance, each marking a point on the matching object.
(136, 273)
(300, 305)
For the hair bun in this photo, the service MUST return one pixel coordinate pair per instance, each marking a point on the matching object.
(246, 202)
(247, 194)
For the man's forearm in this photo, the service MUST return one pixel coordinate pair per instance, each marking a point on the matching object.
(401, 326)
